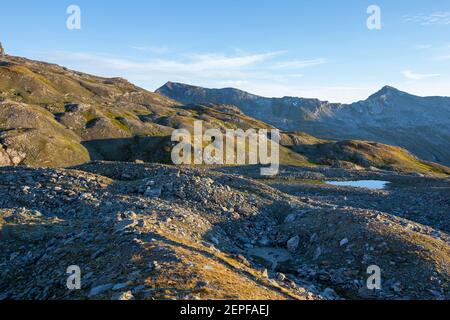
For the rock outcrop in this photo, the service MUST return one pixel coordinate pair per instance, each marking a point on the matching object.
(9, 157)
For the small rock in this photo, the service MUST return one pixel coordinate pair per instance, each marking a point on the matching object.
(100, 289)
(123, 296)
(125, 224)
(4, 296)
(208, 245)
(97, 254)
(343, 242)
(293, 243)
(313, 238)
(396, 287)
(290, 218)
(201, 284)
(13, 256)
(243, 259)
(120, 286)
(281, 277)
(87, 276)
(138, 288)
(153, 193)
(141, 223)
(292, 284)
(365, 293)
(329, 294)
(214, 240)
(154, 265)
(265, 273)
(317, 253)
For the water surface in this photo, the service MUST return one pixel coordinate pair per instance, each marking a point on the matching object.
(370, 184)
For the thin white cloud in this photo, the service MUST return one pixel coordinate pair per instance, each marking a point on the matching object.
(208, 67)
(411, 75)
(192, 63)
(435, 18)
(207, 61)
(298, 64)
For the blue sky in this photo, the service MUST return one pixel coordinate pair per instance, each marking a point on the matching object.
(321, 49)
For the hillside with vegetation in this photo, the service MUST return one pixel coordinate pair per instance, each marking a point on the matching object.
(87, 180)
(51, 116)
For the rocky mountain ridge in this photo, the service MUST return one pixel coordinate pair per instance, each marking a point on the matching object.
(390, 116)
(51, 116)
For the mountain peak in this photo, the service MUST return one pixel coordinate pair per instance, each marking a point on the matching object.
(386, 91)
(170, 84)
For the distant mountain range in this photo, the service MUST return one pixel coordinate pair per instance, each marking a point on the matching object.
(419, 124)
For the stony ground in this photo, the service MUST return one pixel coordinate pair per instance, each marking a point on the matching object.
(140, 231)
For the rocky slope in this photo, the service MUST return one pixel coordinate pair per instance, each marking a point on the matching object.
(366, 154)
(155, 231)
(54, 117)
(418, 124)
(47, 112)
(160, 232)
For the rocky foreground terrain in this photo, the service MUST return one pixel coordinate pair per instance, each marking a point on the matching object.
(142, 231)
(78, 188)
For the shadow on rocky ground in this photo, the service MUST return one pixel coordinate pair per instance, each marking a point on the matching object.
(141, 231)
